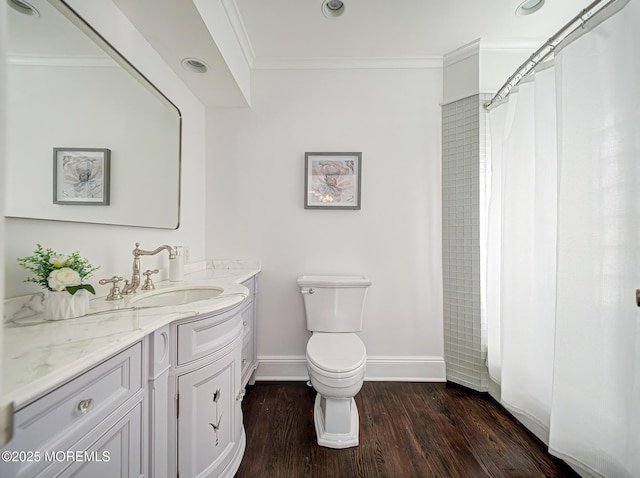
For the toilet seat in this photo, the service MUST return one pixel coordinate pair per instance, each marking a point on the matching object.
(336, 355)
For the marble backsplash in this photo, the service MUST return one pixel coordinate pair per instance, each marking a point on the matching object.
(23, 306)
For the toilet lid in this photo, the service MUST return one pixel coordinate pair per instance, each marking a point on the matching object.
(336, 352)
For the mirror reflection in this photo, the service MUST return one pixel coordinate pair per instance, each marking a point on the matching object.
(68, 90)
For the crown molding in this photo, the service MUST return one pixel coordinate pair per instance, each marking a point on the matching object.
(434, 62)
(462, 53)
(478, 46)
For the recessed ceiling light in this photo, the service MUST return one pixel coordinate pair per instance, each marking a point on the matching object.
(332, 8)
(23, 7)
(529, 6)
(194, 65)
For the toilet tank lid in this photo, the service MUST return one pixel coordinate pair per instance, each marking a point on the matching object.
(333, 281)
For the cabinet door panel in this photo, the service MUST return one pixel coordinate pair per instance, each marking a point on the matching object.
(116, 453)
(210, 421)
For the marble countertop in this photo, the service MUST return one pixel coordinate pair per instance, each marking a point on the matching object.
(39, 355)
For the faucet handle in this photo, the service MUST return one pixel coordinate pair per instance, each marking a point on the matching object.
(148, 283)
(114, 293)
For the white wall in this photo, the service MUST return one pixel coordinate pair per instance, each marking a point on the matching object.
(110, 246)
(255, 177)
(497, 64)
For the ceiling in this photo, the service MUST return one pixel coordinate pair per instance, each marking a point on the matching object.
(392, 29)
(48, 35)
(295, 33)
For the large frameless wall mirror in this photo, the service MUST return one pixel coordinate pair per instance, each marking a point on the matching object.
(70, 91)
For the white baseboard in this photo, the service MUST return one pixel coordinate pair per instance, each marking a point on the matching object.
(379, 368)
(281, 368)
(406, 369)
(495, 391)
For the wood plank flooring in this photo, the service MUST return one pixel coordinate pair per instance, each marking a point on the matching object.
(406, 430)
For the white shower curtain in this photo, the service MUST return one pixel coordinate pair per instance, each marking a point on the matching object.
(595, 419)
(522, 249)
(569, 331)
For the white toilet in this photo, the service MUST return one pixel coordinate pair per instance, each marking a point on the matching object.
(336, 357)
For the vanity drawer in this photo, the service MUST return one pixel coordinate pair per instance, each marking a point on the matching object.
(56, 421)
(204, 337)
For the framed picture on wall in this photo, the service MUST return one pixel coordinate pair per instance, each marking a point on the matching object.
(332, 180)
(81, 176)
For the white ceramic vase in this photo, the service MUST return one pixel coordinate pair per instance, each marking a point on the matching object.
(62, 305)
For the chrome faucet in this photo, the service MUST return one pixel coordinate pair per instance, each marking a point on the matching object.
(130, 287)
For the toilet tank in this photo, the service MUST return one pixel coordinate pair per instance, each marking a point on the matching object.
(334, 303)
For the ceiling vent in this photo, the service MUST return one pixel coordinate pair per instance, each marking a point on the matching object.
(529, 6)
(332, 8)
(23, 7)
(194, 65)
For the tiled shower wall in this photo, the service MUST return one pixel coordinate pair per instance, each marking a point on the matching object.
(464, 156)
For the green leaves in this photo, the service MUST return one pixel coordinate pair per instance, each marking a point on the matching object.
(72, 289)
(39, 264)
(43, 261)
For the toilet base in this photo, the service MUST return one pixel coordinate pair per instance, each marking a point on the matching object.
(337, 423)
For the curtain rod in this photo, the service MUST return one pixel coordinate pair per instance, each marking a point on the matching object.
(548, 48)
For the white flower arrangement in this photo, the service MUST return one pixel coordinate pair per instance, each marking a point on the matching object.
(57, 272)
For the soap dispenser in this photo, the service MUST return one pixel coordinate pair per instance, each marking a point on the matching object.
(176, 265)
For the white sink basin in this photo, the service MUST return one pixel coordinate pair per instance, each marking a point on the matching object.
(175, 296)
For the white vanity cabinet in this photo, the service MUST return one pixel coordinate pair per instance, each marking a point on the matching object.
(90, 426)
(167, 406)
(201, 382)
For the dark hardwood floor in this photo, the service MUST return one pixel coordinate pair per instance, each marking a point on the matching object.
(406, 430)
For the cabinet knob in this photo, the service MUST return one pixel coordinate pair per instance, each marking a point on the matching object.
(85, 405)
(241, 395)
